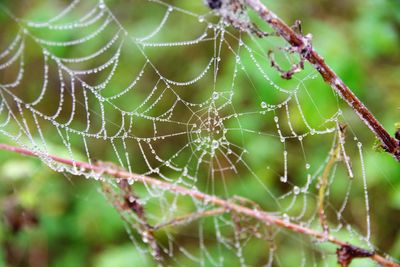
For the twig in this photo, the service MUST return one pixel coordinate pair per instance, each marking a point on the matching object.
(131, 203)
(187, 218)
(257, 214)
(285, 74)
(323, 183)
(305, 49)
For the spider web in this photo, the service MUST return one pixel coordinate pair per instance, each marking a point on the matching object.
(181, 96)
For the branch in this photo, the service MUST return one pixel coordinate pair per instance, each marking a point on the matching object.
(131, 203)
(302, 44)
(255, 213)
(190, 217)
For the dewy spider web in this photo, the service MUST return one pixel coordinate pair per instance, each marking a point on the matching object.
(183, 97)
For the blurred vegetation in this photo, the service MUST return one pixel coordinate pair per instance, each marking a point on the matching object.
(51, 219)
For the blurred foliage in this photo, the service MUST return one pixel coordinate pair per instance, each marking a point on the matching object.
(49, 219)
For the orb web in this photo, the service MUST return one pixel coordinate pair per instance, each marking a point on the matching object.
(172, 91)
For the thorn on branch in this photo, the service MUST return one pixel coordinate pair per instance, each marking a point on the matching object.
(347, 253)
(297, 26)
(397, 133)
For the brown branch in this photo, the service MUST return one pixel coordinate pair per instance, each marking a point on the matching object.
(131, 203)
(323, 184)
(304, 47)
(257, 214)
(336, 154)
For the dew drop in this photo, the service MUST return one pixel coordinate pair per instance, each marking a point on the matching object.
(215, 95)
(215, 144)
(296, 190)
(264, 105)
(286, 218)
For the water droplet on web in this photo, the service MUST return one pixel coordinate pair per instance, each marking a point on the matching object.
(215, 144)
(283, 179)
(264, 105)
(296, 190)
(286, 218)
(215, 95)
(308, 166)
(144, 237)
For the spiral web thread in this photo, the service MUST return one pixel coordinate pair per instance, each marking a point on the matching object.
(183, 97)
